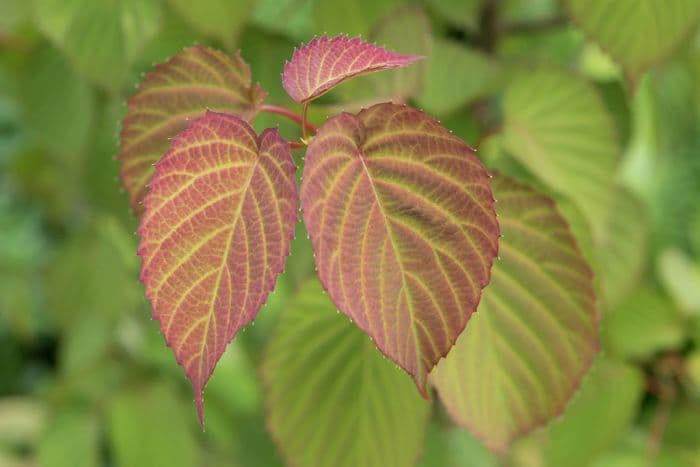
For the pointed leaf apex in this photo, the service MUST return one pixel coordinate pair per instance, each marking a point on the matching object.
(323, 63)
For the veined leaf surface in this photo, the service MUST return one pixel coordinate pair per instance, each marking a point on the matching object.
(401, 218)
(332, 399)
(215, 235)
(636, 34)
(557, 126)
(316, 67)
(184, 87)
(535, 335)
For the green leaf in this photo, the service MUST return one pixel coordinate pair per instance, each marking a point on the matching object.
(636, 34)
(681, 277)
(332, 399)
(453, 447)
(469, 75)
(557, 126)
(14, 14)
(460, 13)
(352, 17)
(599, 415)
(646, 323)
(221, 19)
(401, 217)
(147, 428)
(289, 17)
(101, 37)
(58, 106)
(70, 440)
(535, 334)
(621, 246)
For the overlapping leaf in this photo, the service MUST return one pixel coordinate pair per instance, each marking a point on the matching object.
(636, 34)
(535, 335)
(215, 235)
(325, 62)
(401, 218)
(557, 126)
(332, 399)
(184, 87)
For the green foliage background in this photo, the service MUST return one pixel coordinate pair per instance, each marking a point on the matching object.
(85, 378)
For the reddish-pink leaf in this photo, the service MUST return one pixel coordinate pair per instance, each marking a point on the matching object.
(326, 62)
(184, 87)
(401, 217)
(215, 234)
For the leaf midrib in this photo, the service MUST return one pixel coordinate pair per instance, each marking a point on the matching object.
(392, 241)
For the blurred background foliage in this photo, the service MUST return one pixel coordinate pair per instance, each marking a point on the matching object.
(85, 377)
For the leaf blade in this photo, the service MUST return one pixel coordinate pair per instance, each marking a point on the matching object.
(392, 171)
(309, 74)
(650, 31)
(343, 414)
(542, 344)
(557, 126)
(216, 257)
(191, 82)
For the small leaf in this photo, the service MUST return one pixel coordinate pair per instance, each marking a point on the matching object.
(399, 85)
(332, 399)
(215, 235)
(636, 34)
(195, 80)
(401, 218)
(534, 338)
(557, 126)
(325, 62)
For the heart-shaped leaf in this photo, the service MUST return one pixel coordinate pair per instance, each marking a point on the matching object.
(193, 81)
(215, 234)
(332, 399)
(325, 62)
(401, 218)
(636, 34)
(534, 338)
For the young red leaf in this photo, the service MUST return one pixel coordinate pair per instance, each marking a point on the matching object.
(325, 62)
(216, 231)
(401, 218)
(184, 87)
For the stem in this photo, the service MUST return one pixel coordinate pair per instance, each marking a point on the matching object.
(304, 123)
(296, 144)
(301, 120)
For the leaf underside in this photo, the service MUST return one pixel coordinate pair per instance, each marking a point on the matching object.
(323, 63)
(535, 335)
(216, 231)
(193, 81)
(636, 34)
(331, 397)
(400, 214)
